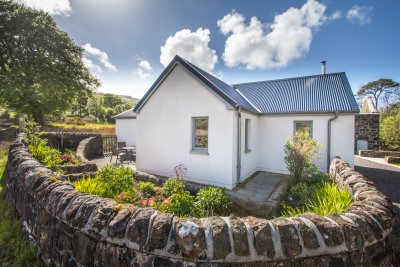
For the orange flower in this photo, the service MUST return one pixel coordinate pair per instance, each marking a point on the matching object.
(152, 202)
(167, 201)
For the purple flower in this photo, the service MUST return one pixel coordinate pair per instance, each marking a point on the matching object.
(180, 172)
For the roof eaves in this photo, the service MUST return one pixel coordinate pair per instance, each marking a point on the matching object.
(207, 81)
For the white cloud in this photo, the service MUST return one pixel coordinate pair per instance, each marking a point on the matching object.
(53, 7)
(144, 69)
(94, 69)
(102, 56)
(192, 46)
(261, 46)
(360, 14)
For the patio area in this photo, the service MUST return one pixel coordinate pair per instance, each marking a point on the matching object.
(101, 162)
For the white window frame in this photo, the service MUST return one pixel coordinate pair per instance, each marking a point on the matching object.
(305, 121)
(199, 150)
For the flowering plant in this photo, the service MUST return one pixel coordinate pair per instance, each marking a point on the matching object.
(180, 172)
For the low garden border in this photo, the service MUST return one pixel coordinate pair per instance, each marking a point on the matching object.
(70, 228)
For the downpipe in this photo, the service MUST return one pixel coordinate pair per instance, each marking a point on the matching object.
(239, 145)
(328, 156)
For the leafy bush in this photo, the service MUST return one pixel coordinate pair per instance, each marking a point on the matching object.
(172, 185)
(300, 153)
(300, 193)
(91, 186)
(212, 201)
(48, 156)
(147, 189)
(390, 133)
(129, 196)
(116, 179)
(181, 204)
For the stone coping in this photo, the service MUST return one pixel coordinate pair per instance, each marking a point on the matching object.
(378, 153)
(75, 229)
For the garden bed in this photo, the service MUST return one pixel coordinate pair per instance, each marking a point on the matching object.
(72, 228)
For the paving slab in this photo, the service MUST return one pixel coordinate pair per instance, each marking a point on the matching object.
(258, 188)
(102, 162)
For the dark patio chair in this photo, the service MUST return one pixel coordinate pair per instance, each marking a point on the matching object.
(119, 152)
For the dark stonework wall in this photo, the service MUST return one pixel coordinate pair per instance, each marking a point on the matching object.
(70, 228)
(367, 128)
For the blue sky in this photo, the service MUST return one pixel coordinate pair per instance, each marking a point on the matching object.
(129, 42)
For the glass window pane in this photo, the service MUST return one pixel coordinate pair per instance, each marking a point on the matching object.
(304, 126)
(201, 132)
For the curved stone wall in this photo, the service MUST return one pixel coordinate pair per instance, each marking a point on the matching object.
(75, 229)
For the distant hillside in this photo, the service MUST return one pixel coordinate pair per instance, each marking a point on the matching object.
(126, 98)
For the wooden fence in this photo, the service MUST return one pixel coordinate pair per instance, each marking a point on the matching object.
(109, 141)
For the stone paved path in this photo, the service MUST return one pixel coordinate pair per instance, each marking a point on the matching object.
(258, 188)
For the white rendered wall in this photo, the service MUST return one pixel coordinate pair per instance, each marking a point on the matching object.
(249, 159)
(125, 129)
(164, 137)
(274, 131)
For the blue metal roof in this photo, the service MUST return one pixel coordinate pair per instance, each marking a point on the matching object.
(310, 94)
(227, 89)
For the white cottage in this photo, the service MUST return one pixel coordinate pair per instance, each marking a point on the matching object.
(125, 127)
(224, 133)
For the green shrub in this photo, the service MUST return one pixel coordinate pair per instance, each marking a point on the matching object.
(116, 179)
(300, 153)
(172, 185)
(300, 193)
(129, 196)
(181, 204)
(390, 133)
(212, 201)
(91, 186)
(147, 189)
(48, 156)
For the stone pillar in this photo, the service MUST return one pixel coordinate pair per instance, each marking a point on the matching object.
(367, 128)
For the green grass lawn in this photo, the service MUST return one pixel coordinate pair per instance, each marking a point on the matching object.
(14, 248)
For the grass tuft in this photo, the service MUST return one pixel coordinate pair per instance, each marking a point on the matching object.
(14, 248)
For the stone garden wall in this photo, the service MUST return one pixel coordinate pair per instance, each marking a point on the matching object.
(75, 229)
(367, 128)
(378, 153)
(71, 140)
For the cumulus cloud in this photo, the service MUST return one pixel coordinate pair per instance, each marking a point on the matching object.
(360, 14)
(193, 46)
(100, 55)
(257, 45)
(94, 69)
(144, 69)
(53, 7)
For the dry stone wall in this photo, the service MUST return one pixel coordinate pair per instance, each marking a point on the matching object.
(75, 229)
(378, 153)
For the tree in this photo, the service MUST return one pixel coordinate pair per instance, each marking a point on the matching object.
(111, 100)
(41, 69)
(377, 89)
(96, 109)
(390, 133)
(300, 153)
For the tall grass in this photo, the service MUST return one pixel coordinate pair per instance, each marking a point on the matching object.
(323, 199)
(14, 248)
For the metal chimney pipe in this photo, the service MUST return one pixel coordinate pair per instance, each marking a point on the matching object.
(323, 67)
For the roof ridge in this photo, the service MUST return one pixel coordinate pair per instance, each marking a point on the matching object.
(291, 78)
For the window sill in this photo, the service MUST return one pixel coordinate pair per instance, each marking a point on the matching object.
(200, 152)
(247, 150)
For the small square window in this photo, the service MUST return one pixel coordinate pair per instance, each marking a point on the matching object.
(303, 126)
(200, 134)
(247, 127)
